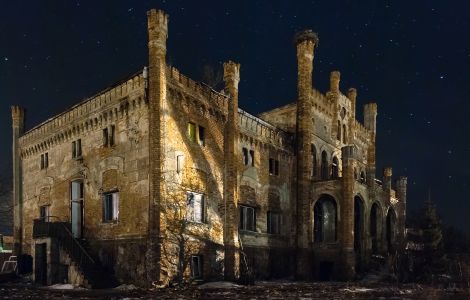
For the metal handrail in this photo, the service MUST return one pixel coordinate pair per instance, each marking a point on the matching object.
(70, 236)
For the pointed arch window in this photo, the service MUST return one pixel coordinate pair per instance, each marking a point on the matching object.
(324, 165)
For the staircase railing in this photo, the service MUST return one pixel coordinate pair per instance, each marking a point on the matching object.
(62, 231)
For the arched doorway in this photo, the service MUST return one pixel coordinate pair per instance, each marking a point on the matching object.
(391, 229)
(325, 219)
(375, 227)
(358, 228)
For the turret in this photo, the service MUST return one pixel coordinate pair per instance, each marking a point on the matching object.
(387, 180)
(232, 188)
(335, 77)
(370, 116)
(305, 42)
(157, 36)
(17, 117)
(352, 95)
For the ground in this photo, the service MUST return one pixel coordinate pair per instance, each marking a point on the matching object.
(262, 290)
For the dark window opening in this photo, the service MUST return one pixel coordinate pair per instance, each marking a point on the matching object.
(196, 266)
(325, 219)
(44, 161)
(44, 213)
(338, 134)
(77, 148)
(274, 222)
(110, 207)
(245, 156)
(105, 137)
(247, 218)
(335, 168)
(363, 177)
(252, 157)
(345, 138)
(314, 160)
(324, 165)
(201, 136)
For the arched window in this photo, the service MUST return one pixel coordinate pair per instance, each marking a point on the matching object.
(338, 134)
(335, 168)
(324, 165)
(345, 138)
(324, 224)
(363, 177)
(375, 227)
(314, 160)
(391, 220)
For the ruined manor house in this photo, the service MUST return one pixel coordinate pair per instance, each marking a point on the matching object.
(160, 177)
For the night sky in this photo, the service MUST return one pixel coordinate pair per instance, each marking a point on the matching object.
(411, 57)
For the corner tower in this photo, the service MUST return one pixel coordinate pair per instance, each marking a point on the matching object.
(17, 117)
(232, 188)
(157, 36)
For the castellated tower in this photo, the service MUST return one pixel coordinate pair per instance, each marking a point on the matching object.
(17, 117)
(306, 42)
(157, 36)
(370, 117)
(231, 158)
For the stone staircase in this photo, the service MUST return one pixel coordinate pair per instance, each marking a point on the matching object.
(79, 252)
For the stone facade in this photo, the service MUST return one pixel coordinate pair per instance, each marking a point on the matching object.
(166, 178)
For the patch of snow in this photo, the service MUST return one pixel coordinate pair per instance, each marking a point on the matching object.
(63, 286)
(358, 290)
(218, 285)
(126, 287)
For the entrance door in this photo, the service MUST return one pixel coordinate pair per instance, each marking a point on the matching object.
(76, 208)
(40, 266)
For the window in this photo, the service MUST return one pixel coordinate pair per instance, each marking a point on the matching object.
(111, 135)
(274, 222)
(344, 134)
(338, 134)
(192, 132)
(335, 168)
(110, 206)
(245, 156)
(252, 157)
(201, 136)
(363, 177)
(77, 191)
(273, 166)
(314, 160)
(247, 218)
(196, 266)
(105, 137)
(44, 161)
(324, 226)
(77, 149)
(324, 165)
(179, 163)
(195, 207)
(44, 213)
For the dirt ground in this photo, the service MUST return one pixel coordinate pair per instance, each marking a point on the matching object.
(261, 290)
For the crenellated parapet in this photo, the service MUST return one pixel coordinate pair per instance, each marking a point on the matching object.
(197, 93)
(97, 111)
(258, 131)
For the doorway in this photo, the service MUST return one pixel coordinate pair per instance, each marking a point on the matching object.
(76, 208)
(40, 266)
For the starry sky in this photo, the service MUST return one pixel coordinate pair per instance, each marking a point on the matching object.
(411, 57)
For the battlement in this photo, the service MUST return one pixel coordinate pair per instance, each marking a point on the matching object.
(322, 104)
(215, 99)
(110, 103)
(263, 131)
(158, 17)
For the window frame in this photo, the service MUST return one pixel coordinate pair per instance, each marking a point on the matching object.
(191, 131)
(270, 216)
(113, 216)
(191, 214)
(244, 223)
(197, 272)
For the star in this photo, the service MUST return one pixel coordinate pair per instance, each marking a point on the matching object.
(5, 58)
(442, 77)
